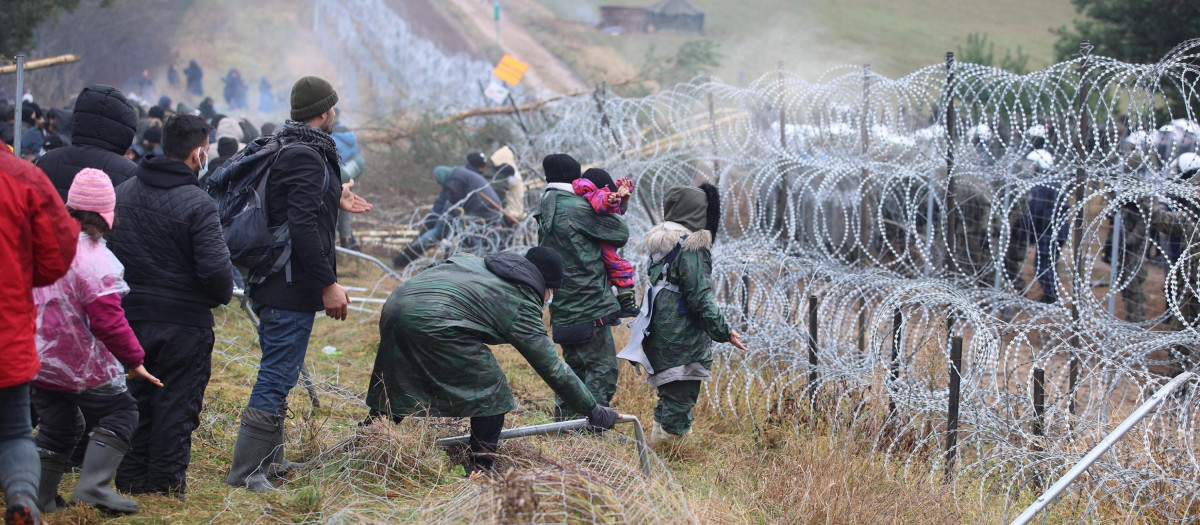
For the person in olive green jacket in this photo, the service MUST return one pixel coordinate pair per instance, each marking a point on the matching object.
(584, 307)
(433, 356)
(684, 317)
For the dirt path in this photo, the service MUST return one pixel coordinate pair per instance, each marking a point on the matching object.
(546, 71)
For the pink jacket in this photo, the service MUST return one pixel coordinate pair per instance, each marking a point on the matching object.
(83, 338)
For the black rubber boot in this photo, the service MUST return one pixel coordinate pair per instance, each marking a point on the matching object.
(53, 464)
(280, 466)
(254, 450)
(104, 453)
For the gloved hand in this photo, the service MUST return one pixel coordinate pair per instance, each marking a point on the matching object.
(602, 417)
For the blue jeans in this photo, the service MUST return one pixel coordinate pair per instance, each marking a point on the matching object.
(283, 337)
(20, 468)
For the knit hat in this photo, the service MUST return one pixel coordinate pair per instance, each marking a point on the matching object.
(92, 190)
(227, 146)
(153, 134)
(549, 263)
(441, 173)
(600, 178)
(686, 205)
(560, 167)
(312, 96)
(476, 160)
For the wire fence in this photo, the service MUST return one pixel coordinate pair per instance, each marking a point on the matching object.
(1043, 224)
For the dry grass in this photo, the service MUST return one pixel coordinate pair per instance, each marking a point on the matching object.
(726, 471)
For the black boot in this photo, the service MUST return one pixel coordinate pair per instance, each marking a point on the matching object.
(53, 464)
(254, 450)
(104, 453)
(280, 466)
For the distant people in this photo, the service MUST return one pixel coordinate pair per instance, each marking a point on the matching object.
(154, 118)
(172, 76)
(226, 127)
(1047, 224)
(508, 183)
(102, 132)
(145, 85)
(226, 148)
(266, 99)
(684, 318)
(305, 193)
(207, 110)
(433, 357)
(235, 90)
(7, 124)
(268, 129)
(353, 166)
(164, 102)
(464, 192)
(86, 346)
(37, 244)
(610, 198)
(249, 130)
(33, 139)
(151, 144)
(178, 270)
(195, 78)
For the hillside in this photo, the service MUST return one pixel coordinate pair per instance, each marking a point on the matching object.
(812, 36)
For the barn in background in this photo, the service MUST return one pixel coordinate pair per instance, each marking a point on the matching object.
(667, 15)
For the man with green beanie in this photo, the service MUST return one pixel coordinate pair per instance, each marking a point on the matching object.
(433, 356)
(682, 313)
(304, 192)
(584, 307)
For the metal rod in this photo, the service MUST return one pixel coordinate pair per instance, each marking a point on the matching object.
(894, 372)
(639, 435)
(812, 348)
(952, 410)
(1039, 404)
(385, 267)
(20, 102)
(1094, 454)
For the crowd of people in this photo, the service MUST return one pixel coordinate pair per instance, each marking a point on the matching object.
(121, 264)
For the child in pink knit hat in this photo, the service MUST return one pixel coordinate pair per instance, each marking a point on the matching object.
(86, 346)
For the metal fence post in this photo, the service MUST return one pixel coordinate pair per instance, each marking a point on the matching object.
(894, 367)
(20, 102)
(952, 410)
(951, 214)
(812, 348)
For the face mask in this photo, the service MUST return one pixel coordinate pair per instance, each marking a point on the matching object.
(203, 157)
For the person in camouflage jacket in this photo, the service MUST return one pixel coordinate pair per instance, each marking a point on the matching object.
(685, 318)
(584, 307)
(433, 356)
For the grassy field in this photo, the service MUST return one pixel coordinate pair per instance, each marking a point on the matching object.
(729, 471)
(810, 37)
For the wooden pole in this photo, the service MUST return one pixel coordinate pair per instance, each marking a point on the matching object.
(894, 367)
(40, 63)
(812, 348)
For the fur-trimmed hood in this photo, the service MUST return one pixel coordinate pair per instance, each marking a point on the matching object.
(661, 239)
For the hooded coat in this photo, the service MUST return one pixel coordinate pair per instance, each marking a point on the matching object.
(102, 130)
(686, 320)
(227, 127)
(434, 330)
(568, 225)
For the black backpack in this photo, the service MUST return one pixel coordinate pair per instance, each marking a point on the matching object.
(240, 188)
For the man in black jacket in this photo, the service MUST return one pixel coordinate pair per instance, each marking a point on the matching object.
(304, 192)
(178, 270)
(102, 130)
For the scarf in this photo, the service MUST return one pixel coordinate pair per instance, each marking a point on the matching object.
(299, 132)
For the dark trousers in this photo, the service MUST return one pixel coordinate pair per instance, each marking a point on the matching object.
(674, 409)
(61, 416)
(20, 469)
(595, 363)
(181, 357)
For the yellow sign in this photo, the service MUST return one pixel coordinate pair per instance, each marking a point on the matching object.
(510, 70)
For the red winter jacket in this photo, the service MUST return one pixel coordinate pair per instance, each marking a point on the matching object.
(37, 244)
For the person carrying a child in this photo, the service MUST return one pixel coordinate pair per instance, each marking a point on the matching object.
(85, 345)
(607, 198)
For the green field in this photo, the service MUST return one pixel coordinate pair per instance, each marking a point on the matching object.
(810, 37)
